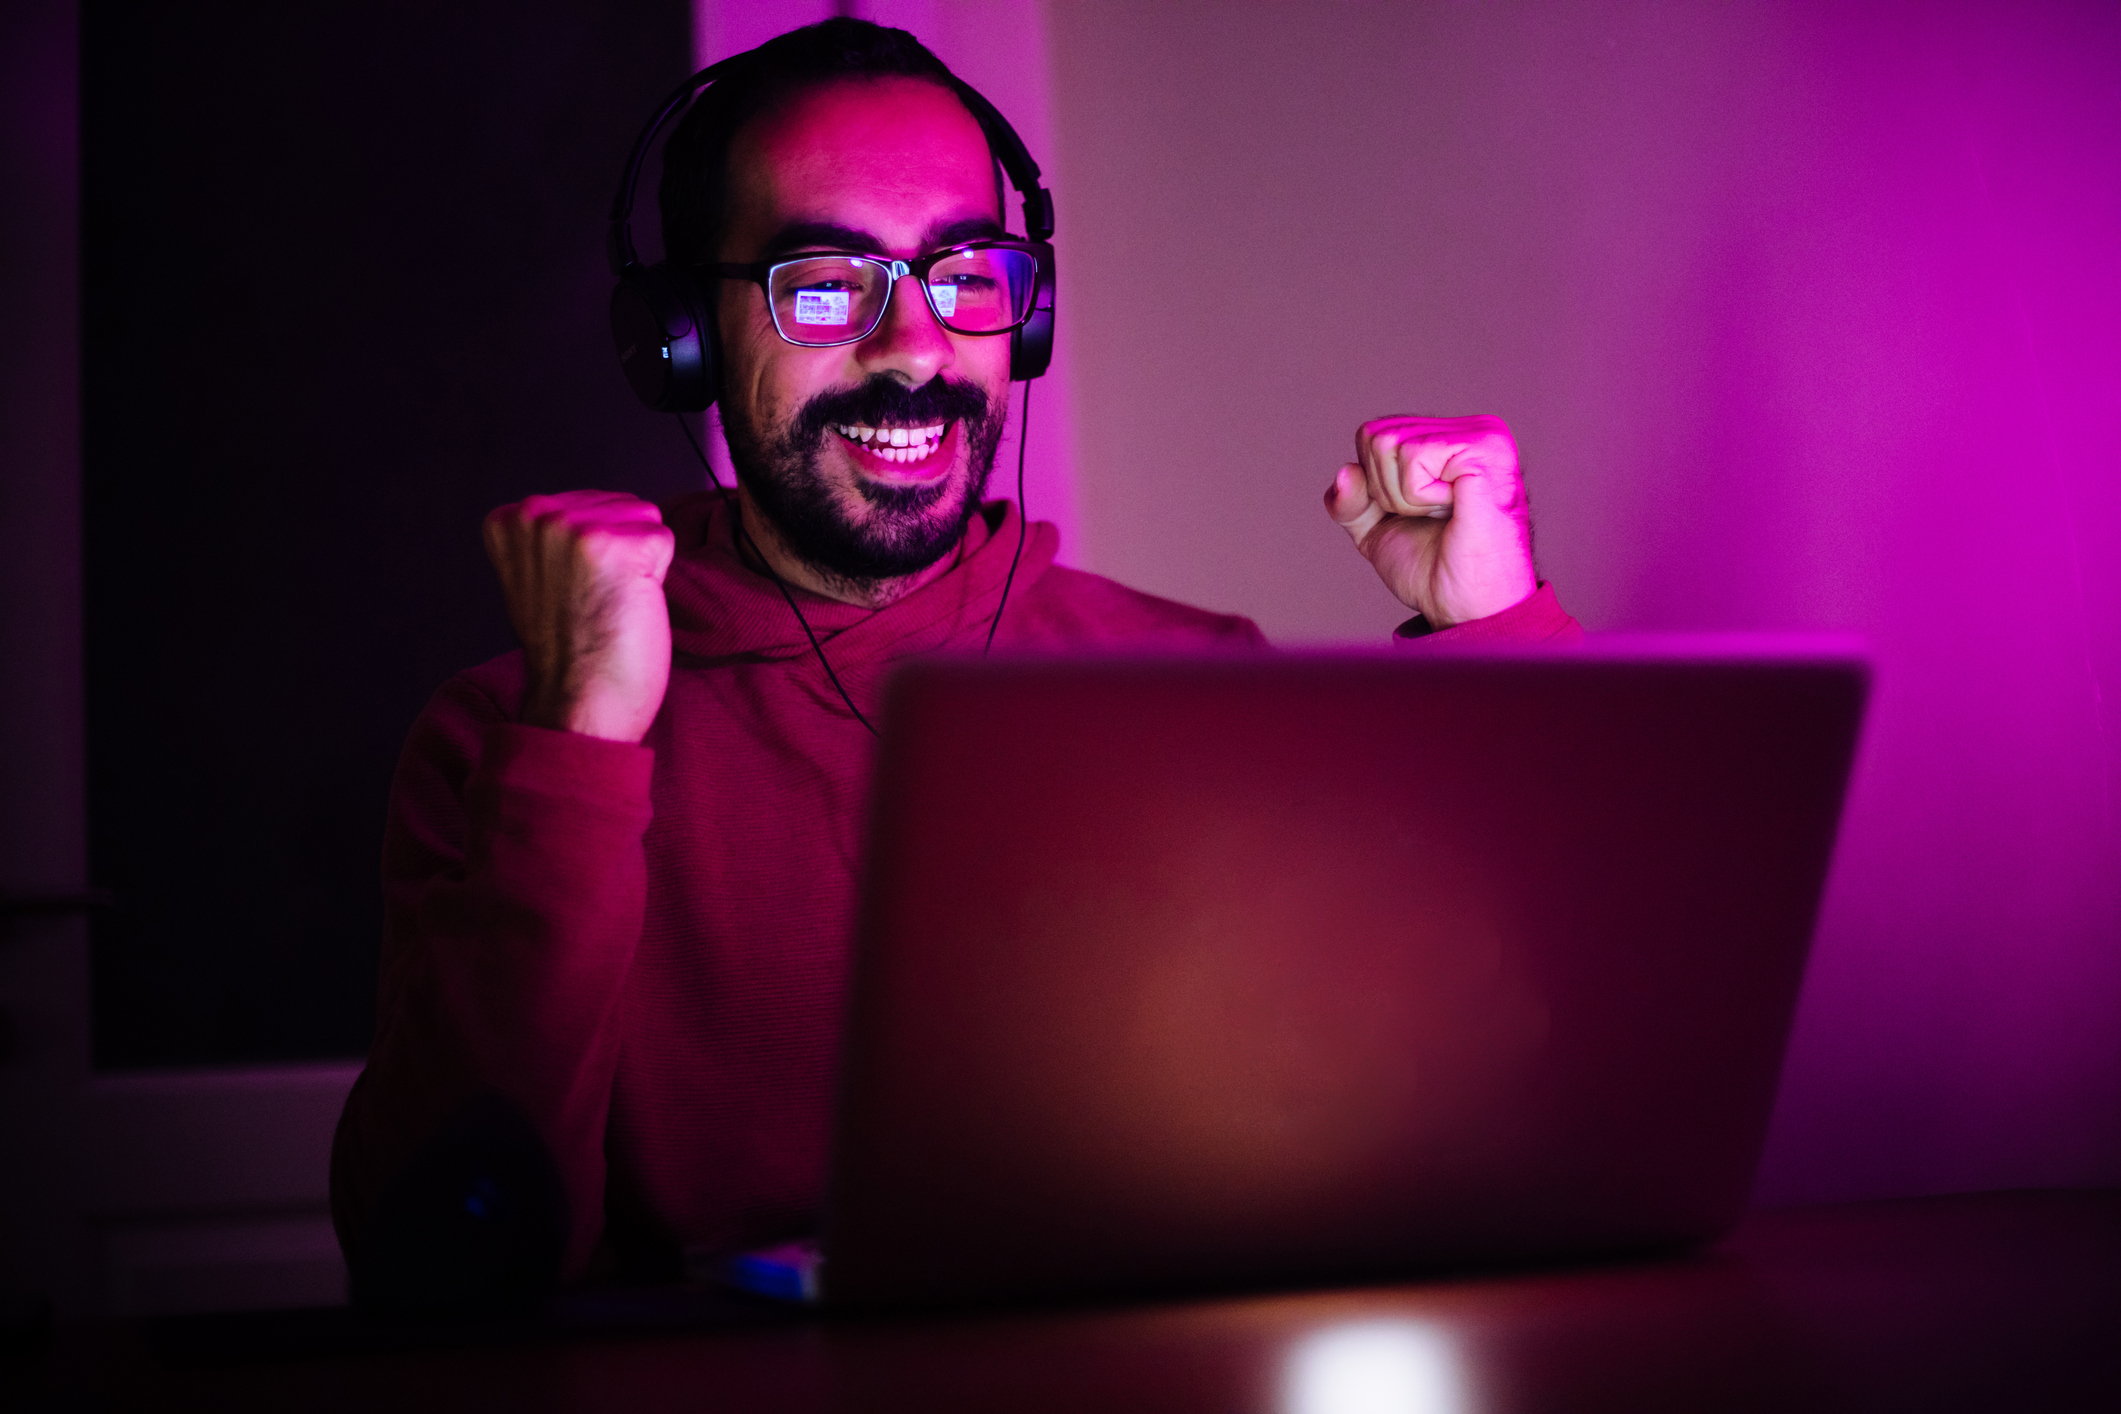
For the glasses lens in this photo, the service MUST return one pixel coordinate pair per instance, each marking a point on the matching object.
(830, 299)
(983, 291)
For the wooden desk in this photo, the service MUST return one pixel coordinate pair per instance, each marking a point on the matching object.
(1995, 1302)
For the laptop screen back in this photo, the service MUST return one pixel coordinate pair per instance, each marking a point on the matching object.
(1178, 973)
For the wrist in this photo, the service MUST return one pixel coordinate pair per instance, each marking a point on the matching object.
(1485, 605)
(607, 716)
(595, 712)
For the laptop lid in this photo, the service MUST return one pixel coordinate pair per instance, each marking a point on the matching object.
(1179, 973)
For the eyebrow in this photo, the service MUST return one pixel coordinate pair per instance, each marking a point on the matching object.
(828, 235)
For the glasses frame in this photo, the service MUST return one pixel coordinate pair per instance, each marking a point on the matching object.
(760, 273)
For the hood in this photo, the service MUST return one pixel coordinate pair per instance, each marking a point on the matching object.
(719, 608)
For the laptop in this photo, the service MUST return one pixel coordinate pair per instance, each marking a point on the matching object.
(1192, 974)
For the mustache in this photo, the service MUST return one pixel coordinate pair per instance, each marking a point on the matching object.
(883, 401)
(900, 529)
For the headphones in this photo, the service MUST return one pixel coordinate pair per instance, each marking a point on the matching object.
(662, 315)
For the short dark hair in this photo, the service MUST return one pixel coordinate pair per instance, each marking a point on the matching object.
(694, 189)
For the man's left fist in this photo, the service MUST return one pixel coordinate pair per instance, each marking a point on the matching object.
(1436, 505)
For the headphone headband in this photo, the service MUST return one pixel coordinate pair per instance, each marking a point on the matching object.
(1015, 158)
(618, 240)
(1007, 147)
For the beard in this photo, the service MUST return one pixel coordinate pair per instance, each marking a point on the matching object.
(899, 530)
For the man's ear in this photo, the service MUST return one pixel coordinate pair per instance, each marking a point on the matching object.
(665, 336)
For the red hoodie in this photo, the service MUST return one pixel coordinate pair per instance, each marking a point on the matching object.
(643, 948)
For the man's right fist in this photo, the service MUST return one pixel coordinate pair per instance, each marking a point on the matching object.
(583, 575)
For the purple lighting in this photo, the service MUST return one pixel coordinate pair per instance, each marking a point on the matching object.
(1805, 317)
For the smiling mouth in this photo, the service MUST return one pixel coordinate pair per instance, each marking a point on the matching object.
(901, 446)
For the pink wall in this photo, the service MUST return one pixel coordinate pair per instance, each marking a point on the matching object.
(1806, 316)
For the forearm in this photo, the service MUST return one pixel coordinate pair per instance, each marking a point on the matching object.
(512, 928)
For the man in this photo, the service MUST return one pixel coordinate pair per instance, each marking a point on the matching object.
(620, 865)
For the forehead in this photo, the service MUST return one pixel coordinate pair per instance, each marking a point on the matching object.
(890, 156)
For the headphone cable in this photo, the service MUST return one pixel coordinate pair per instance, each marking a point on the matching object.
(1023, 518)
(736, 510)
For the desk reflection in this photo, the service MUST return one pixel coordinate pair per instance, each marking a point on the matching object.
(1375, 1367)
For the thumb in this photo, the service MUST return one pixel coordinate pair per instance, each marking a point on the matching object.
(1348, 502)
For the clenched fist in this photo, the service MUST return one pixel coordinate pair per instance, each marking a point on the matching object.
(1436, 505)
(583, 575)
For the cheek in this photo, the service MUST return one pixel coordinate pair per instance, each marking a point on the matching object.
(773, 379)
(985, 362)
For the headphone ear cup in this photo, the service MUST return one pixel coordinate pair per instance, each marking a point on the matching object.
(661, 330)
(1031, 345)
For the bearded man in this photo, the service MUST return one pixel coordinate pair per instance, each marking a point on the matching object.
(620, 864)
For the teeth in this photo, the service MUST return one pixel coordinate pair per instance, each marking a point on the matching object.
(895, 444)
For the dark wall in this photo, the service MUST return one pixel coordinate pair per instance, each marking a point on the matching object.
(344, 292)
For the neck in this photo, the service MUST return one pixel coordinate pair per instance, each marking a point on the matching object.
(760, 539)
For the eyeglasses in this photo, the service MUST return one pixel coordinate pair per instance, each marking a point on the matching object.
(818, 301)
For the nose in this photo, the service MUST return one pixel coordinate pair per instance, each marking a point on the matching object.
(909, 344)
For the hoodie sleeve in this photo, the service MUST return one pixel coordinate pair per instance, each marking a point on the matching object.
(514, 885)
(1537, 619)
